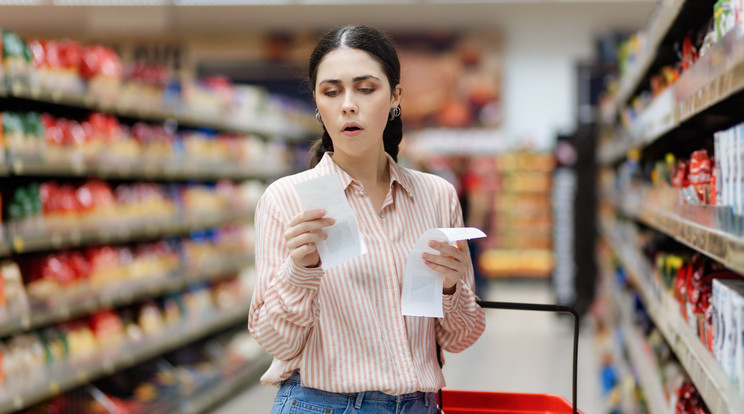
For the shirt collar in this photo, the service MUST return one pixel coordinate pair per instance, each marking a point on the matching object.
(397, 174)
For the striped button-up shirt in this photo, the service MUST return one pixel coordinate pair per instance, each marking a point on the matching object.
(343, 328)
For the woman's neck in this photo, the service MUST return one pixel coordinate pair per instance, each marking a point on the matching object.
(370, 171)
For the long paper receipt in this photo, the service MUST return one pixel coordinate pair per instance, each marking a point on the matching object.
(422, 285)
(344, 240)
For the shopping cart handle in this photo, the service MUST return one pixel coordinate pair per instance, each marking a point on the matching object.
(542, 308)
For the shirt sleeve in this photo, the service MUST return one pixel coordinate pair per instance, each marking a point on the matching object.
(281, 312)
(464, 321)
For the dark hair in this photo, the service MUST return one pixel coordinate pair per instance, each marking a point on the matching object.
(379, 47)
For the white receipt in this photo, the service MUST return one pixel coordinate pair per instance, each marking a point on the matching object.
(422, 285)
(344, 240)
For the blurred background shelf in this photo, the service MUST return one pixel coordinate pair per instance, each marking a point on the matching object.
(70, 306)
(38, 235)
(64, 377)
(72, 164)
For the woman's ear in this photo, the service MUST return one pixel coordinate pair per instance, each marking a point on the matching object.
(397, 96)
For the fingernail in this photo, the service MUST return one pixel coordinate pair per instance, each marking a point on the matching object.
(433, 243)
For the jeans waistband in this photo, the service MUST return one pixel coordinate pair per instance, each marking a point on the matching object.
(366, 395)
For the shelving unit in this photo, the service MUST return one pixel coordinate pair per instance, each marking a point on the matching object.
(705, 99)
(719, 393)
(120, 294)
(709, 83)
(18, 91)
(644, 363)
(702, 228)
(36, 236)
(201, 402)
(65, 377)
(188, 155)
(659, 26)
(72, 164)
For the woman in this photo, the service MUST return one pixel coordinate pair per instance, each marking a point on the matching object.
(339, 340)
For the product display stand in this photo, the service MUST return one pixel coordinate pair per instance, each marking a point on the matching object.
(66, 377)
(202, 186)
(702, 101)
(120, 294)
(718, 391)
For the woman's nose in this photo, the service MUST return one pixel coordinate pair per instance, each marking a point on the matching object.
(349, 106)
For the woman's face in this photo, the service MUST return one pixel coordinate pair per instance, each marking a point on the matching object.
(354, 99)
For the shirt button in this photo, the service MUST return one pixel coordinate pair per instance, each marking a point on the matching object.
(382, 215)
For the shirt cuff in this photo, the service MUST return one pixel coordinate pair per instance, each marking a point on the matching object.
(303, 277)
(449, 302)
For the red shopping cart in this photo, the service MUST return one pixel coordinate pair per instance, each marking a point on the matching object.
(475, 402)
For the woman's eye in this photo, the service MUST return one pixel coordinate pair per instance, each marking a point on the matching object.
(331, 93)
(366, 90)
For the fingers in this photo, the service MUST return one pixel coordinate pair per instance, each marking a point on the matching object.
(447, 249)
(307, 215)
(447, 263)
(306, 222)
(314, 226)
(305, 238)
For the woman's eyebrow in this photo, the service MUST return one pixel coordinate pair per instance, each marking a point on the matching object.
(356, 79)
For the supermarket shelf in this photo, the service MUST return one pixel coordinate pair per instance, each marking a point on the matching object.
(119, 294)
(645, 364)
(703, 228)
(719, 393)
(35, 236)
(20, 91)
(65, 377)
(203, 402)
(72, 164)
(658, 29)
(707, 84)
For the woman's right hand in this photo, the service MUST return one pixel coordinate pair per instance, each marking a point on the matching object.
(306, 229)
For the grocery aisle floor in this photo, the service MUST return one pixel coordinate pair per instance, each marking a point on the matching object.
(519, 352)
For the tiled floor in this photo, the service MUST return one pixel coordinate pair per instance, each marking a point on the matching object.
(519, 352)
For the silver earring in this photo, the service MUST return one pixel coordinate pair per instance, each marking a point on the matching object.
(318, 119)
(394, 113)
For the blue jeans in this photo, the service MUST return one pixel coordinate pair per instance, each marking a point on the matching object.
(294, 398)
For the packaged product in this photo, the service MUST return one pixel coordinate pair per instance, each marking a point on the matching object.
(150, 319)
(14, 301)
(107, 328)
(739, 172)
(16, 59)
(700, 171)
(737, 331)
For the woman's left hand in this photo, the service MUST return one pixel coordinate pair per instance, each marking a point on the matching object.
(452, 262)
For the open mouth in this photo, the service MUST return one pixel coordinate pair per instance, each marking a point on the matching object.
(352, 128)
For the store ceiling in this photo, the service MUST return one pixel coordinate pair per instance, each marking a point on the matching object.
(172, 16)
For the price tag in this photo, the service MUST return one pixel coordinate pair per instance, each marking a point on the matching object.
(54, 387)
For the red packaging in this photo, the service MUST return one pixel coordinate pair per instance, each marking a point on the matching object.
(713, 199)
(700, 172)
(680, 174)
